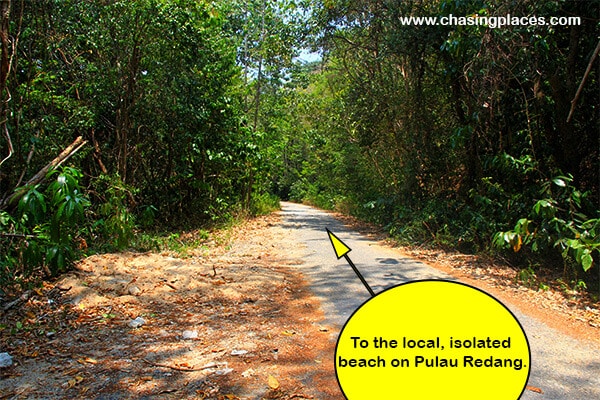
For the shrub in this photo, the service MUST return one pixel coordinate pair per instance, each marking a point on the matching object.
(557, 222)
(44, 227)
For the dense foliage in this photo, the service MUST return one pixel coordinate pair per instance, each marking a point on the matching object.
(466, 136)
(155, 92)
(191, 111)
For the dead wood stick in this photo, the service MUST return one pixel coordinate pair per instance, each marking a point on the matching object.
(21, 299)
(61, 158)
(534, 389)
(207, 366)
(9, 142)
(17, 235)
(5, 63)
(41, 175)
(97, 153)
(29, 157)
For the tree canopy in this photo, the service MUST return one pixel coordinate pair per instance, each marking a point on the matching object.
(121, 116)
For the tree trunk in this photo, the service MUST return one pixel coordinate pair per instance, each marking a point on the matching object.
(4, 70)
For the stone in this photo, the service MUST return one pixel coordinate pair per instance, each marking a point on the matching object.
(5, 360)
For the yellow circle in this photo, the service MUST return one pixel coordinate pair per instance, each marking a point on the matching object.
(432, 339)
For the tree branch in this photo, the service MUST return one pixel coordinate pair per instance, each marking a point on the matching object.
(17, 235)
(585, 76)
(29, 157)
(62, 157)
(9, 141)
(41, 175)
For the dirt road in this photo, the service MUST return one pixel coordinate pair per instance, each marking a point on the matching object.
(230, 318)
(563, 367)
(248, 314)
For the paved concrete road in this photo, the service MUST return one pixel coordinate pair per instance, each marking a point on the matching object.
(564, 368)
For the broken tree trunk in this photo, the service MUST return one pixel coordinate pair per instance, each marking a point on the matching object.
(41, 175)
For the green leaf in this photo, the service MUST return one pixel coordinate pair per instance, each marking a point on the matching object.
(33, 204)
(51, 254)
(587, 260)
(544, 207)
(522, 226)
(561, 181)
(573, 244)
(5, 218)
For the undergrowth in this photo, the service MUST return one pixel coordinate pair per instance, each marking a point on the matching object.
(51, 226)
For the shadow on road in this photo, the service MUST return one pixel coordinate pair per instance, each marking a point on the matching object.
(332, 280)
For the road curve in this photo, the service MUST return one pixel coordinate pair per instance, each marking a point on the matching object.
(564, 368)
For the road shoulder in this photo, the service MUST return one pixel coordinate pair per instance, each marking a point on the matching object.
(228, 321)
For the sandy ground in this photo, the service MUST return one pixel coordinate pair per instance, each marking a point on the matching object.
(228, 321)
(231, 319)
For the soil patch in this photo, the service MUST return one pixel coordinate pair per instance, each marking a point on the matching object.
(229, 321)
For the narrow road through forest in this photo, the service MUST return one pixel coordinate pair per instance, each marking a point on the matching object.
(563, 367)
(252, 313)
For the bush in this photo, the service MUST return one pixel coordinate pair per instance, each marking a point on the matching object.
(116, 225)
(45, 227)
(262, 204)
(557, 222)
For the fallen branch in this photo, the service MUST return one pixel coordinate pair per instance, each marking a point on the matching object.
(62, 157)
(41, 175)
(207, 366)
(18, 235)
(21, 299)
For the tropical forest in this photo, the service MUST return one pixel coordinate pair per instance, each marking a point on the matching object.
(123, 119)
(138, 129)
